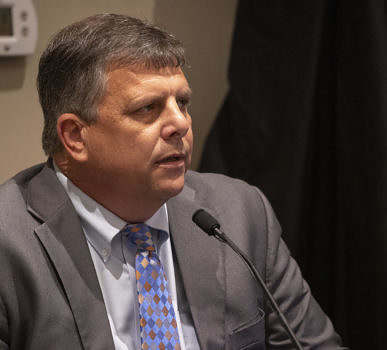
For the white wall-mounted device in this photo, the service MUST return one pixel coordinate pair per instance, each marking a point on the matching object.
(18, 27)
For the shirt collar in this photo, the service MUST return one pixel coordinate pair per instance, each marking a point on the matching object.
(101, 226)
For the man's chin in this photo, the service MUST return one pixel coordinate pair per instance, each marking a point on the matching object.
(170, 188)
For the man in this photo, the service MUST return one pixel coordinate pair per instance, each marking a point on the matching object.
(97, 247)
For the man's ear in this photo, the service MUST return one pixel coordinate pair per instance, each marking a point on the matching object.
(70, 129)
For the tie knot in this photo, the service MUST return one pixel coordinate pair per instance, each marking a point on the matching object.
(140, 235)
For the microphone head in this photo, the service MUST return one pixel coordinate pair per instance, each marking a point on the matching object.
(205, 221)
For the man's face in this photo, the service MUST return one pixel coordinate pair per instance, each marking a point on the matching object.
(141, 144)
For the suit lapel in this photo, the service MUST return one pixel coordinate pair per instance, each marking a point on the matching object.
(63, 239)
(201, 261)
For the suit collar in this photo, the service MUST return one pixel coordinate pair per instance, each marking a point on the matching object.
(62, 236)
(45, 195)
(200, 259)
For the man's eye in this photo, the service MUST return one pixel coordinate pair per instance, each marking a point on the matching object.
(183, 103)
(146, 108)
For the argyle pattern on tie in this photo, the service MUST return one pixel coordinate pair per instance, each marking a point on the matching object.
(158, 327)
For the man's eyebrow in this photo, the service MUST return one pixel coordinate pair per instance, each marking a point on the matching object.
(186, 93)
(138, 97)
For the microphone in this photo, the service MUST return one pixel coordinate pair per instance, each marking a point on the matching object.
(212, 227)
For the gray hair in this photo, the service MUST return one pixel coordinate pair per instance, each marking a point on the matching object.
(73, 68)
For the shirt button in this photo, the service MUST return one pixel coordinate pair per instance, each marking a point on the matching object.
(105, 253)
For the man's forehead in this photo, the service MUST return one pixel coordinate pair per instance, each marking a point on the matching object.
(138, 77)
(142, 70)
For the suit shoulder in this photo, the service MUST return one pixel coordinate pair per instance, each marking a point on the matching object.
(227, 192)
(13, 196)
(195, 179)
(222, 186)
(22, 178)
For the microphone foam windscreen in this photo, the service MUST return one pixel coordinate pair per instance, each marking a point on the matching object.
(205, 221)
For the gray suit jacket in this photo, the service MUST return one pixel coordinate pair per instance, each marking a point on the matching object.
(50, 297)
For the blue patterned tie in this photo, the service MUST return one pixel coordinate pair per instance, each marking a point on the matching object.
(158, 327)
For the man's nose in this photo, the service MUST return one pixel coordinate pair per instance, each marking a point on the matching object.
(177, 121)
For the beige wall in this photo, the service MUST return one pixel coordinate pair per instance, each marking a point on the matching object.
(204, 26)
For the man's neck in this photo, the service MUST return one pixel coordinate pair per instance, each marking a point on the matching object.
(130, 207)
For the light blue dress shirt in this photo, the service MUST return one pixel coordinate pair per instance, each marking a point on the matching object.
(114, 263)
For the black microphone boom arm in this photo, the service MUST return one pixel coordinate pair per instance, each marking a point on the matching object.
(212, 227)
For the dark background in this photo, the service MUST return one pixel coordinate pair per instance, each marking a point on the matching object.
(305, 120)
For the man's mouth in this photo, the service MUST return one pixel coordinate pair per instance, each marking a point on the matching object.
(176, 159)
